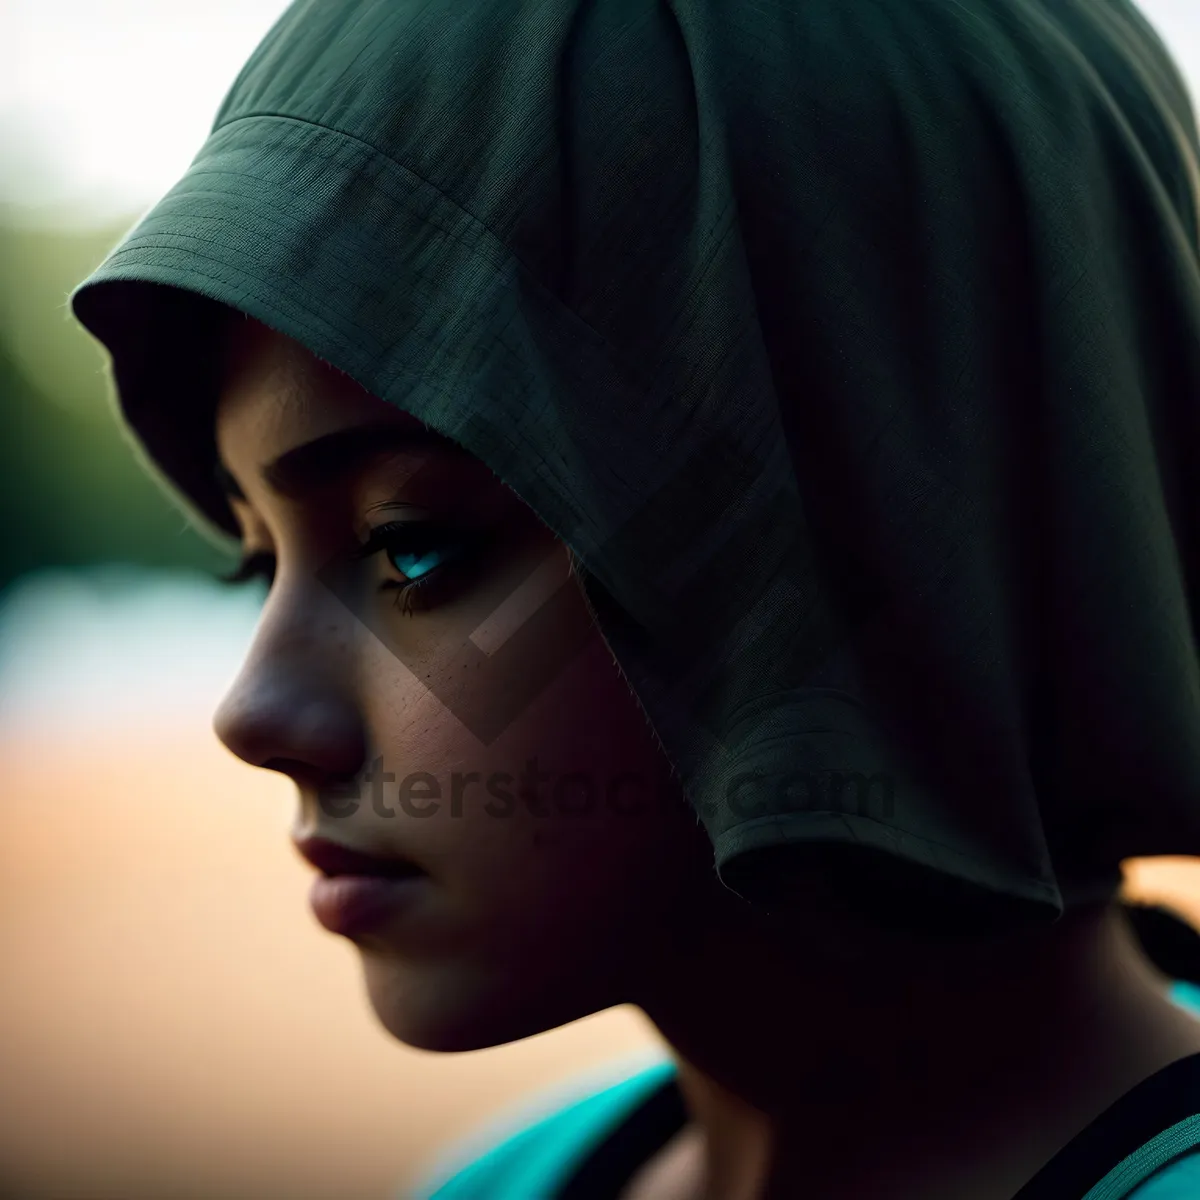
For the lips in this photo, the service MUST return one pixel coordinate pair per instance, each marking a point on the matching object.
(332, 858)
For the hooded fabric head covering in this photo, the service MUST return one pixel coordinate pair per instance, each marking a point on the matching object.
(853, 346)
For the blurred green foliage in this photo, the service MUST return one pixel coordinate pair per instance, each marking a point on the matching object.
(72, 490)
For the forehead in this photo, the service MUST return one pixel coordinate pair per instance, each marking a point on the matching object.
(275, 390)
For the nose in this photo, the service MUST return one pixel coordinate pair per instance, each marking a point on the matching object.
(291, 708)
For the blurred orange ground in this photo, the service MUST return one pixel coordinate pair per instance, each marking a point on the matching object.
(173, 1021)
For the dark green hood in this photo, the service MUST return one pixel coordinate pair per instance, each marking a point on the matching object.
(852, 345)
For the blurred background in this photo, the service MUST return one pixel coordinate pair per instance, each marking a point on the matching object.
(173, 1022)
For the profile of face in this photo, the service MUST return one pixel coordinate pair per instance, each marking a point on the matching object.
(559, 863)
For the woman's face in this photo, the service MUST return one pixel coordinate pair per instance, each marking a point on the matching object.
(439, 723)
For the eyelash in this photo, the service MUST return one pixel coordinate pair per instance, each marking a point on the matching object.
(397, 537)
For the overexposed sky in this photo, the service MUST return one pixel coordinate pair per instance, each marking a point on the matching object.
(104, 103)
(1178, 22)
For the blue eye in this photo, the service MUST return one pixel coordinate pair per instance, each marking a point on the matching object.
(414, 564)
(419, 550)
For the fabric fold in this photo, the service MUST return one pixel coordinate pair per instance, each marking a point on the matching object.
(854, 349)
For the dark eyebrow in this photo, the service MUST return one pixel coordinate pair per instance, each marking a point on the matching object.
(325, 460)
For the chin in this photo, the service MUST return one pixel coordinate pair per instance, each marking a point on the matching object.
(451, 1009)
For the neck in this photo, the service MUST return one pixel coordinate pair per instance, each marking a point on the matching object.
(823, 1059)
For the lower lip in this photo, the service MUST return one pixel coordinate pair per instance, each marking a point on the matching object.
(349, 904)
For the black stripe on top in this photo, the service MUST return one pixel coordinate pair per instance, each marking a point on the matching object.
(1162, 1100)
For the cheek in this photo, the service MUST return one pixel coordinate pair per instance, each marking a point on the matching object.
(570, 813)
(544, 909)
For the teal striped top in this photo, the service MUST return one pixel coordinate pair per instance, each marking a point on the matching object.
(536, 1151)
